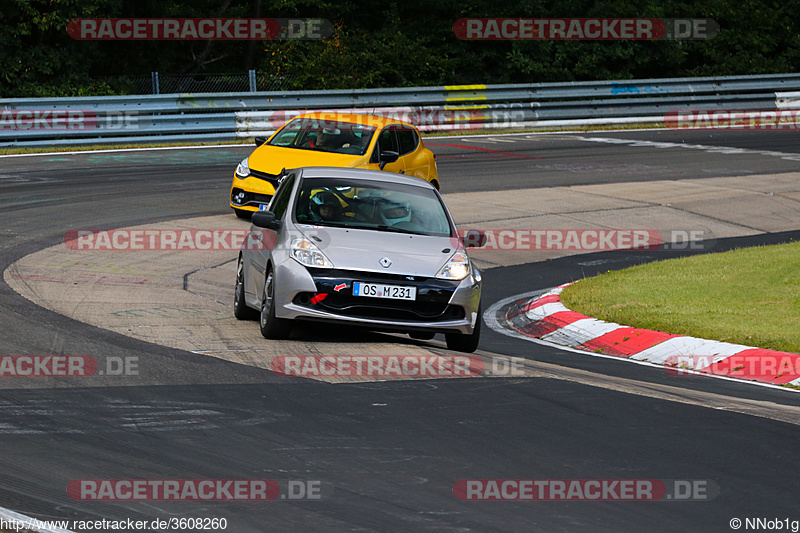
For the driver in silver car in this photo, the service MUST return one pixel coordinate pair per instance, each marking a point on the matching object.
(325, 207)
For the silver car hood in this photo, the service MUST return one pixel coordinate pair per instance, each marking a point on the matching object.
(355, 249)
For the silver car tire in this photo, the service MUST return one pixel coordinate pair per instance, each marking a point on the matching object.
(240, 309)
(458, 342)
(272, 327)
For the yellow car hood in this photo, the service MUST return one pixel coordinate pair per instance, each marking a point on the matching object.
(273, 159)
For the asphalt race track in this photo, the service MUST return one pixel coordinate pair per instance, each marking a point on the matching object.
(387, 454)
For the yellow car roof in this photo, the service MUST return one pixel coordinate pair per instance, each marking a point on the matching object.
(354, 118)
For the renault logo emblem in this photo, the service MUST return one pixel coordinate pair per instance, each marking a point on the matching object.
(385, 262)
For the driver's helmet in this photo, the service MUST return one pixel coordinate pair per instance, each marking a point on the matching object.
(325, 205)
(328, 137)
(395, 212)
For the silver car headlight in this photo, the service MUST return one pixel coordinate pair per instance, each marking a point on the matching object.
(306, 253)
(476, 274)
(456, 268)
(243, 170)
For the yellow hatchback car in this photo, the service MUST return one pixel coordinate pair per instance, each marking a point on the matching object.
(325, 139)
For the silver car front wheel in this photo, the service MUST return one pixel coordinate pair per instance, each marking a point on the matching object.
(465, 343)
(272, 327)
(240, 309)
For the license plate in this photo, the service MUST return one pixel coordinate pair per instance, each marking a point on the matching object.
(263, 207)
(379, 290)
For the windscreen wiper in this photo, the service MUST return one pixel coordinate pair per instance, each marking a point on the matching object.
(384, 227)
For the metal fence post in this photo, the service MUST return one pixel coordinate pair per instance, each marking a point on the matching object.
(154, 80)
(252, 81)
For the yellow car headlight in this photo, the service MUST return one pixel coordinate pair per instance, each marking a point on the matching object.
(243, 170)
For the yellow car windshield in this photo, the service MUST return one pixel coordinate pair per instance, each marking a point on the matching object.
(324, 136)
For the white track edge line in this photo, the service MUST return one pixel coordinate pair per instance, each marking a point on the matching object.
(113, 150)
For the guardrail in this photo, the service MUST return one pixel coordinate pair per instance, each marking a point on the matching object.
(227, 116)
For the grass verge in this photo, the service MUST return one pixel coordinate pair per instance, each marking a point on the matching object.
(747, 296)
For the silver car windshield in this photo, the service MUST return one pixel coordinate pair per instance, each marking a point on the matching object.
(324, 136)
(358, 204)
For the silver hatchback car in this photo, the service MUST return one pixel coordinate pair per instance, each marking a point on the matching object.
(362, 248)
